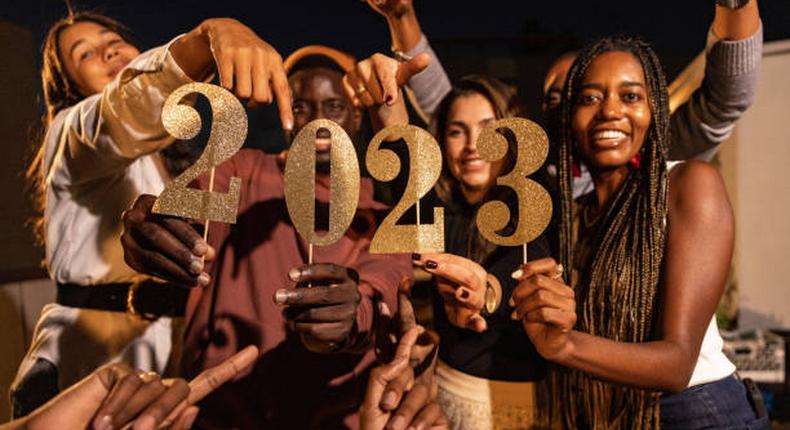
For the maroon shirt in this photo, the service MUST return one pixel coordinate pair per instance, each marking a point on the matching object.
(289, 387)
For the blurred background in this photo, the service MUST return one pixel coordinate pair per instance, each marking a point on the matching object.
(515, 41)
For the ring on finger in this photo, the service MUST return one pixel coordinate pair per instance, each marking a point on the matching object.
(147, 377)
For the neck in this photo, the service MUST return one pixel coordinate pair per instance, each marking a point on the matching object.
(473, 196)
(607, 182)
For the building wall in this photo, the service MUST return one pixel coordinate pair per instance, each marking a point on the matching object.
(755, 164)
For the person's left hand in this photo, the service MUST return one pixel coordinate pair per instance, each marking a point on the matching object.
(546, 306)
(376, 83)
(324, 313)
(392, 9)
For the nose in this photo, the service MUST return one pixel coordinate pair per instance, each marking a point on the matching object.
(471, 140)
(611, 108)
(110, 51)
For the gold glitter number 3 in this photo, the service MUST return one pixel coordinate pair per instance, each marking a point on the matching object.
(425, 164)
(228, 131)
(300, 182)
(534, 203)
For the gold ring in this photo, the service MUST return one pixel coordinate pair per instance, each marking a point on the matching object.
(147, 377)
(558, 275)
(361, 90)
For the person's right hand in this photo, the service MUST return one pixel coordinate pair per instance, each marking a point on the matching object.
(164, 246)
(391, 8)
(116, 396)
(462, 285)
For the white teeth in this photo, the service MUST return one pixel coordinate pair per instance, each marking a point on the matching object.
(609, 134)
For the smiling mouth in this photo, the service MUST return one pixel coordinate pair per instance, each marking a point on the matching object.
(608, 138)
(472, 164)
(117, 68)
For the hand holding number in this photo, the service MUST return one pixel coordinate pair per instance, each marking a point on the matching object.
(546, 306)
(462, 284)
(164, 246)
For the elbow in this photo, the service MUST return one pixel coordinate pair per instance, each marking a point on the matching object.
(677, 383)
(677, 376)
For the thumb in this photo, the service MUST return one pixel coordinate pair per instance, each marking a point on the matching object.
(412, 67)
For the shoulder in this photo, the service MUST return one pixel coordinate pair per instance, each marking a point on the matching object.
(697, 192)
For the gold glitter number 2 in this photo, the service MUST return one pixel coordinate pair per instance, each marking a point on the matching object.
(534, 202)
(228, 131)
(425, 164)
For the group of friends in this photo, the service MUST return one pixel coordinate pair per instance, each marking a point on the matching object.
(610, 324)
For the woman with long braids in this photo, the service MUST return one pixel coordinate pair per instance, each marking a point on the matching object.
(628, 315)
(100, 150)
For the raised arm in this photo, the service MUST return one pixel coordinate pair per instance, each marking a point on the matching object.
(697, 259)
(430, 86)
(732, 65)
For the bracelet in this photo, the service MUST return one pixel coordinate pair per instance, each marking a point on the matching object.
(732, 4)
(490, 303)
(400, 55)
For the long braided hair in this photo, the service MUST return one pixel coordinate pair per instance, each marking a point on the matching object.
(616, 291)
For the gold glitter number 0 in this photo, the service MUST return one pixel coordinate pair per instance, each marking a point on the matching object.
(228, 131)
(300, 182)
(534, 203)
(425, 164)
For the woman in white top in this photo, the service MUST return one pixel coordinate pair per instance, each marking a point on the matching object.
(647, 253)
(100, 151)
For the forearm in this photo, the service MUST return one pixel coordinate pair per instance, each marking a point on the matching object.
(192, 52)
(736, 24)
(659, 365)
(405, 31)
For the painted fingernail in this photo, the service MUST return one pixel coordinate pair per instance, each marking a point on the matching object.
(511, 302)
(431, 264)
(517, 274)
(282, 296)
(416, 256)
(388, 401)
(294, 274)
(196, 266)
(203, 279)
(200, 248)
(397, 423)
(146, 422)
(103, 423)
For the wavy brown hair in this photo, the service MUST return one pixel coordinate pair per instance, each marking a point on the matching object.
(60, 92)
(617, 293)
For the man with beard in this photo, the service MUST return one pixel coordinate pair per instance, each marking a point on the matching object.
(316, 343)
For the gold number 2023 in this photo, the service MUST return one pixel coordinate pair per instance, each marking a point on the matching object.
(228, 131)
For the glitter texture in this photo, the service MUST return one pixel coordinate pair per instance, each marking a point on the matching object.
(425, 161)
(534, 202)
(228, 131)
(300, 182)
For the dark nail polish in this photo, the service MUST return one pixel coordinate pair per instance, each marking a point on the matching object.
(416, 256)
(431, 264)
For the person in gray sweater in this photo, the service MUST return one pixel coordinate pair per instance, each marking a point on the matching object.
(733, 54)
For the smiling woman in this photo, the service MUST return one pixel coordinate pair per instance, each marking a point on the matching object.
(646, 257)
(101, 149)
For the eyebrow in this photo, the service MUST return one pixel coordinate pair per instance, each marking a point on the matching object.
(80, 41)
(597, 86)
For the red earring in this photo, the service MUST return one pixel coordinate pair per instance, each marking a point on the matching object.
(636, 162)
(577, 171)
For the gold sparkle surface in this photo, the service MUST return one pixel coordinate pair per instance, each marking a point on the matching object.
(534, 202)
(425, 165)
(300, 182)
(228, 131)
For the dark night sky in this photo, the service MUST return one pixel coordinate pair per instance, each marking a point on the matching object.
(673, 26)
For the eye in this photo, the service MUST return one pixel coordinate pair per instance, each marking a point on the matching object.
(587, 99)
(335, 106)
(85, 55)
(300, 108)
(454, 132)
(632, 97)
(115, 41)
